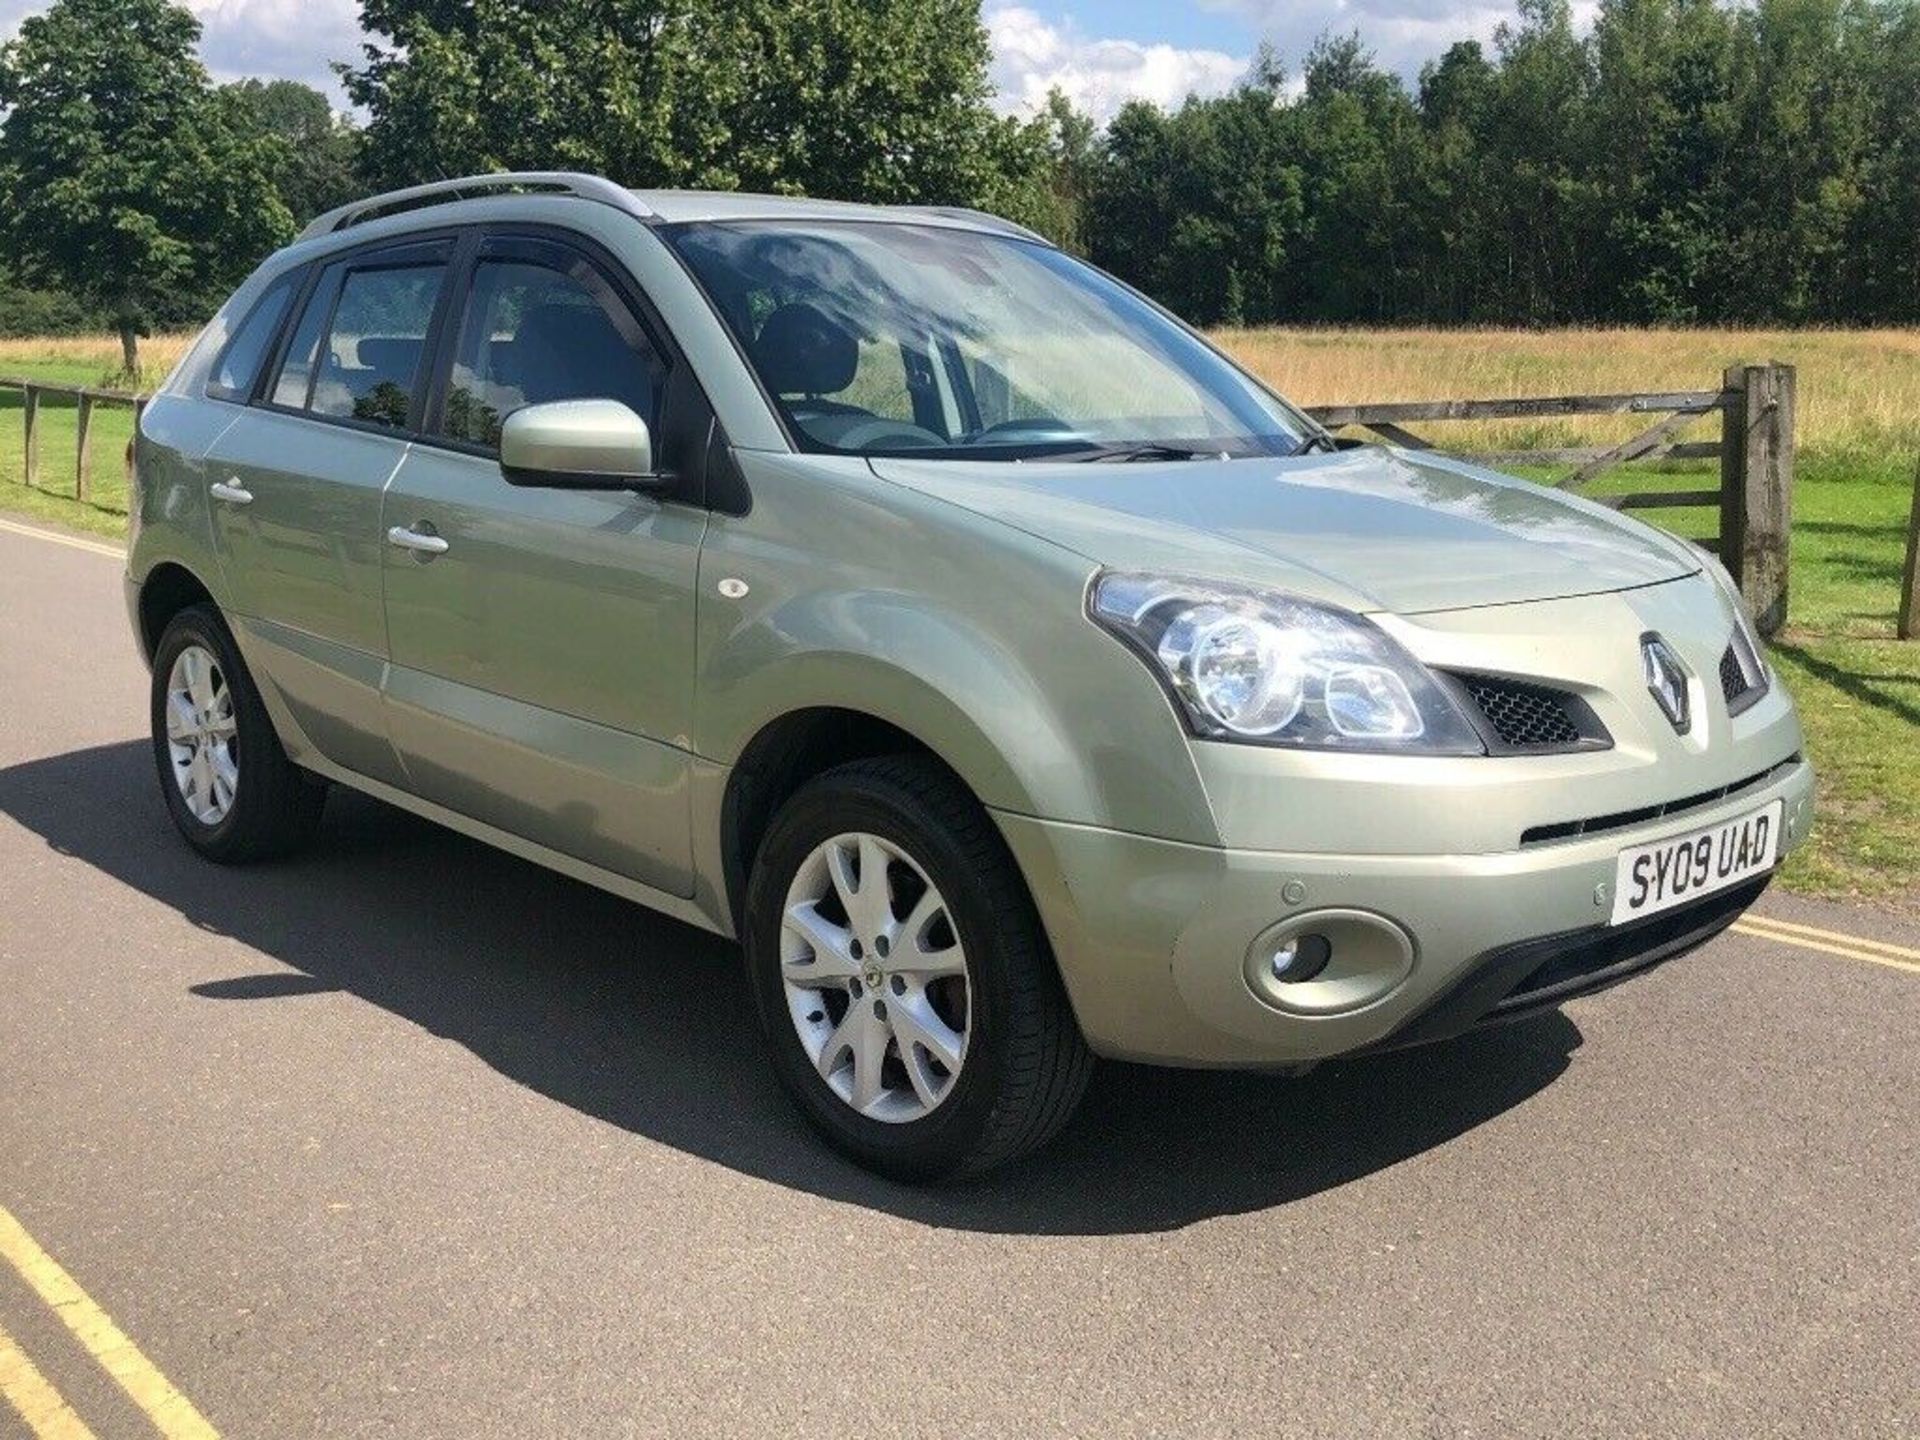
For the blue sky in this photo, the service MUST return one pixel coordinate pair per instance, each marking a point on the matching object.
(1102, 52)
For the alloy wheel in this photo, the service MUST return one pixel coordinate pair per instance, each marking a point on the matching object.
(202, 736)
(875, 977)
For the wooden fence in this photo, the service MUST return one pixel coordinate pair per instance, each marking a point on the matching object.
(1755, 450)
(1907, 626)
(86, 400)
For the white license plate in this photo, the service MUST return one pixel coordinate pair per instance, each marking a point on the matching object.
(1650, 878)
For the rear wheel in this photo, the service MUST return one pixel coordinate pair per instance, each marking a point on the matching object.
(904, 983)
(228, 784)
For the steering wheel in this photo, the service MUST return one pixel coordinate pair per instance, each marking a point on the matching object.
(1039, 427)
(878, 433)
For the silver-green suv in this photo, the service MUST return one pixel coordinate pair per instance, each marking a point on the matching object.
(1018, 679)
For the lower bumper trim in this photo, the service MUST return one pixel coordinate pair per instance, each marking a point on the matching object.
(1534, 975)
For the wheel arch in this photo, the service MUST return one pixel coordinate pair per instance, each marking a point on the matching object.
(782, 756)
(167, 589)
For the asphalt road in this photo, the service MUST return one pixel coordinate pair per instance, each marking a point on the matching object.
(408, 1138)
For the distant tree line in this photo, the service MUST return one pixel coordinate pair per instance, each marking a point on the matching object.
(1684, 161)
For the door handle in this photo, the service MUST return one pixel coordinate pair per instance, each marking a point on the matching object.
(417, 541)
(231, 491)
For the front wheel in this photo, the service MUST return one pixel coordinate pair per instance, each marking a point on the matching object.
(907, 992)
(229, 785)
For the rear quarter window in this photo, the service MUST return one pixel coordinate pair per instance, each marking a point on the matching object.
(246, 350)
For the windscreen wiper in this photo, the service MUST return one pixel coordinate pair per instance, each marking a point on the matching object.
(1318, 440)
(1142, 450)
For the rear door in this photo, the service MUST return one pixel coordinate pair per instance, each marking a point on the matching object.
(542, 662)
(297, 483)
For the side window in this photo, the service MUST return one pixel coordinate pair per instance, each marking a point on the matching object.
(370, 361)
(534, 332)
(295, 380)
(239, 364)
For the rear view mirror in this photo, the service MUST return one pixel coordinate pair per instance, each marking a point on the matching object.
(578, 445)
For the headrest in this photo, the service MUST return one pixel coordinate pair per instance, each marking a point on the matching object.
(562, 328)
(564, 352)
(392, 357)
(802, 352)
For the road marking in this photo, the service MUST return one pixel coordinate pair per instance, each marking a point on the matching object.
(47, 1414)
(1836, 937)
(1762, 929)
(171, 1412)
(92, 547)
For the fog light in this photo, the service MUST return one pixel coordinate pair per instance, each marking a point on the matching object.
(1327, 962)
(1301, 957)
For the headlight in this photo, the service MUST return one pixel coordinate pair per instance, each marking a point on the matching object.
(1245, 664)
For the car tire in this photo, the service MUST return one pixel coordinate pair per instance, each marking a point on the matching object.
(228, 783)
(1023, 1064)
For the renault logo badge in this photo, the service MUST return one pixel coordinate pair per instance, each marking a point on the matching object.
(1666, 679)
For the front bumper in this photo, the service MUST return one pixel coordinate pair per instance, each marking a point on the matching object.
(1152, 935)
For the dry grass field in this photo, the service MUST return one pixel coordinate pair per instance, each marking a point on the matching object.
(96, 356)
(1859, 439)
(1859, 389)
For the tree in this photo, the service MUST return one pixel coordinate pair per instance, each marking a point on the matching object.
(126, 183)
(885, 100)
(316, 152)
(1050, 171)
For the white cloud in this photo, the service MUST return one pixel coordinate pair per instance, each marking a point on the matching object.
(294, 39)
(1403, 34)
(1032, 55)
(291, 39)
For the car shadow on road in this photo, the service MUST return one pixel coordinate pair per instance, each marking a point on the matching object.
(646, 1023)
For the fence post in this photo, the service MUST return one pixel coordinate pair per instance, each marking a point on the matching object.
(1756, 487)
(133, 479)
(1908, 621)
(82, 424)
(30, 418)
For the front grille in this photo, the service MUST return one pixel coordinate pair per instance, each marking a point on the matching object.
(1525, 716)
(1733, 676)
(1623, 819)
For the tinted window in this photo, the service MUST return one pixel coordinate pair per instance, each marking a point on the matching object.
(370, 360)
(533, 333)
(240, 362)
(295, 380)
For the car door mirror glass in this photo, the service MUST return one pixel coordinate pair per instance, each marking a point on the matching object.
(578, 445)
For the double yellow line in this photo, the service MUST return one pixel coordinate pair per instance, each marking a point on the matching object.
(1829, 942)
(30, 1393)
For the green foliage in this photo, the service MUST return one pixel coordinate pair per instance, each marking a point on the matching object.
(885, 100)
(26, 312)
(127, 185)
(315, 153)
(1684, 162)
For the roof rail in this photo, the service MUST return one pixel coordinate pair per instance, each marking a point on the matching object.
(986, 220)
(444, 192)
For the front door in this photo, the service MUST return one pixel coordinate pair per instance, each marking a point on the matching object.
(297, 482)
(542, 662)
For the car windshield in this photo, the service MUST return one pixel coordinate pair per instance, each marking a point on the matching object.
(882, 338)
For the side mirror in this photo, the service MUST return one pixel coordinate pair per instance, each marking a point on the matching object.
(578, 445)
